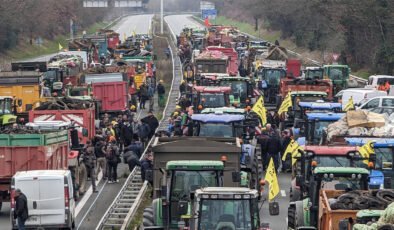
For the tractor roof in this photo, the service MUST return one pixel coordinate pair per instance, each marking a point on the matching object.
(184, 145)
(379, 142)
(217, 118)
(225, 110)
(195, 165)
(330, 150)
(5, 97)
(212, 89)
(298, 93)
(325, 116)
(325, 66)
(229, 191)
(232, 78)
(212, 54)
(341, 170)
(320, 105)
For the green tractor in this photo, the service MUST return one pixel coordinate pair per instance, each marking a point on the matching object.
(242, 89)
(6, 115)
(339, 75)
(307, 213)
(179, 180)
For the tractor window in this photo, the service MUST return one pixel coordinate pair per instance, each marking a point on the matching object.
(186, 181)
(273, 76)
(240, 87)
(225, 214)
(351, 183)
(338, 73)
(5, 106)
(216, 130)
(213, 100)
(336, 161)
(384, 158)
(320, 127)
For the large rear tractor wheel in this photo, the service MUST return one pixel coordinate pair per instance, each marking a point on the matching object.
(148, 217)
(291, 217)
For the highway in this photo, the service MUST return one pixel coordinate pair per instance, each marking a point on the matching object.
(127, 26)
(176, 24)
(93, 205)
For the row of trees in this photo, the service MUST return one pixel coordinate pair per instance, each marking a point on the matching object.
(27, 20)
(362, 31)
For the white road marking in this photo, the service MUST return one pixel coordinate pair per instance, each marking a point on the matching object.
(283, 193)
(87, 195)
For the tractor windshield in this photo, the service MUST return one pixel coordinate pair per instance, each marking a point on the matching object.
(213, 100)
(338, 73)
(240, 87)
(75, 92)
(316, 134)
(5, 106)
(336, 161)
(186, 181)
(216, 130)
(384, 158)
(314, 74)
(273, 76)
(344, 182)
(228, 214)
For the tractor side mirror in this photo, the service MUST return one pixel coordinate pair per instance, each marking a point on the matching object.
(387, 181)
(236, 176)
(85, 132)
(149, 175)
(274, 208)
(19, 102)
(182, 207)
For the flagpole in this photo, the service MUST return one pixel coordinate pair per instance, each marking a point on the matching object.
(161, 16)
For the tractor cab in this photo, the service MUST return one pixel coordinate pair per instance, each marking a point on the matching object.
(6, 110)
(217, 125)
(224, 110)
(339, 75)
(305, 213)
(384, 166)
(313, 73)
(314, 125)
(242, 90)
(211, 97)
(225, 208)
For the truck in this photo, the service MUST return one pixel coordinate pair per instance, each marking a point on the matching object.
(312, 212)
(232, 55)
(298, 84)
(84, 120)
(183, 168)
(39, 151)
(23, 86)
(111, 89)
(209, 63)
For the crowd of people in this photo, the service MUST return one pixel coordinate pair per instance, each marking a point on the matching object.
(123, 137)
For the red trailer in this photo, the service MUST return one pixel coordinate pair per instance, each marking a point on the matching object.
(232, 55)
(82, 118)
(293, 68)
(113, 96)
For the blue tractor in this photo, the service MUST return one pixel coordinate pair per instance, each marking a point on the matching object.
(382, 176)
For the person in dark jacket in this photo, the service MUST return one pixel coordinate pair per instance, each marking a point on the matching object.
(126, 133)
(182, 87)
(21, 212)
(131, 159)
(272, 149)
(160, 92)
(137, 147)
(153, 123)
(286, 139)
(99, 152)
(144, 95)
(112, 154)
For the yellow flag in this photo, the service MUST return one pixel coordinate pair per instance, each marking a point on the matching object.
(286, 104)
(124, 36)
(134, 34)
(349, 105)
(366, 150)
(259, 108)
(60, 47)
(292, 148)
(270, 177)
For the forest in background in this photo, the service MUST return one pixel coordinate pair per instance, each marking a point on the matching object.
(27, 20)
(361, 31)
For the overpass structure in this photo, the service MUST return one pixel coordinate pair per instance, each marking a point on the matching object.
(115, 3)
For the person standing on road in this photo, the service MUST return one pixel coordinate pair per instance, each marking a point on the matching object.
(147, 164)
(160, 92)
(21, 212)
(144, 95)
(151, 94)
(113, 160)
(182, 87)
(153, 123)
(89, 159)
(99, 151)
(286, 139)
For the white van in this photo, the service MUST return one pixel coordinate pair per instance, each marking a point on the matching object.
(50, 198)
(359, 95)
(387, 101)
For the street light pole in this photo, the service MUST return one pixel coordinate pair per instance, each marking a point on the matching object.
(161, 16)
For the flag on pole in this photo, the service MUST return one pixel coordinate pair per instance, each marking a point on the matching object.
(260, 109)
(286, 104)
(134, 33)
(60, 47)
(366, 150)
(292, 148)
(349, 105)
(124, 36)
(270, 177)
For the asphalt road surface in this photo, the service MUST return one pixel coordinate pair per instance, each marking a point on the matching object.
(92, 206)
(176, 24)
(140, 24)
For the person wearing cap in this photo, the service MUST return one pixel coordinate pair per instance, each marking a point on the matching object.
(160, 92)
(21, 211)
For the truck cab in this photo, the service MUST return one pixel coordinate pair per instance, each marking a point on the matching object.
(210, 62)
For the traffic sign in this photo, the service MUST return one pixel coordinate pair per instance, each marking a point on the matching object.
(210, 14)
